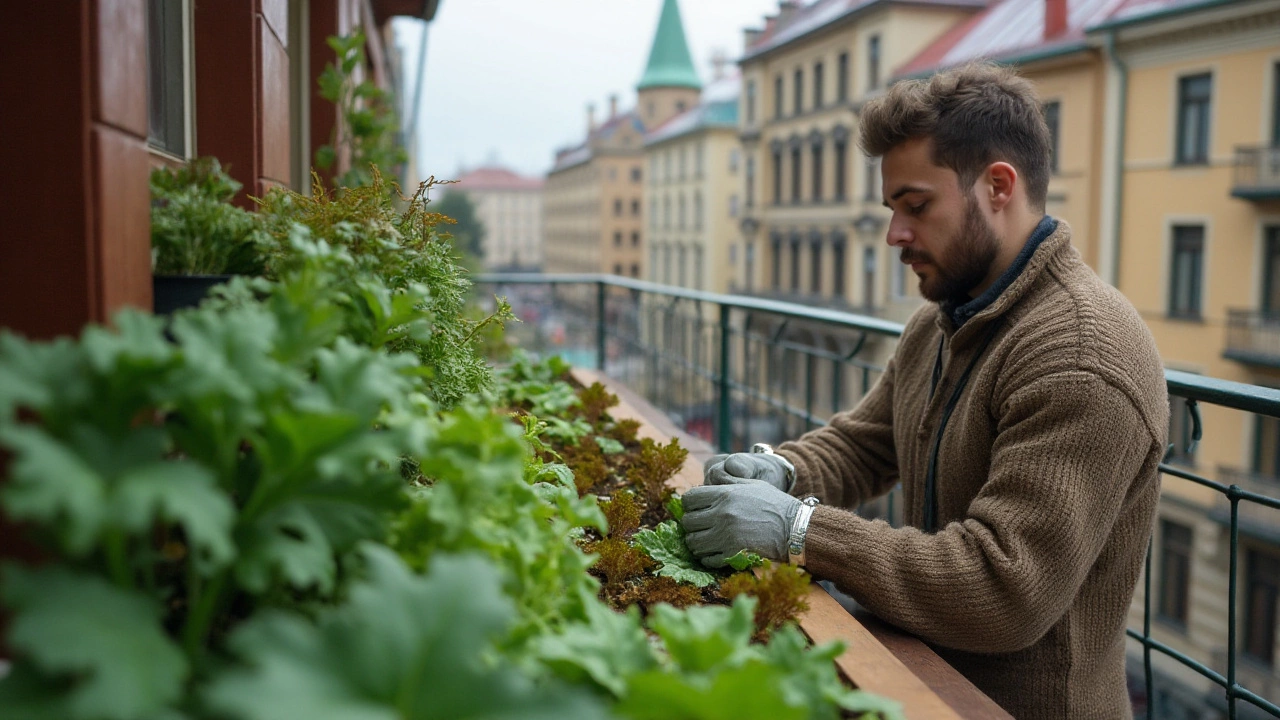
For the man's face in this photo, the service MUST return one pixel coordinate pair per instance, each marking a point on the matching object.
(940, 228)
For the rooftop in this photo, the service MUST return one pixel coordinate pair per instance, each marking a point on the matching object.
(670, 64)
(719, 108)
(496, 178)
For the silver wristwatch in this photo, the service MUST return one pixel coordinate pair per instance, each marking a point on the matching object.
(800, 530)
(790, 470)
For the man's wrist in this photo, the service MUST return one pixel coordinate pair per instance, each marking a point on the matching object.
(800, 531)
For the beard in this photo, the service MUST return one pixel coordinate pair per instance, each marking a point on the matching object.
(969, 254)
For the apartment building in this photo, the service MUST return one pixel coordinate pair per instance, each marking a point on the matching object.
(594, 193)
(694, 165)
(509, 206)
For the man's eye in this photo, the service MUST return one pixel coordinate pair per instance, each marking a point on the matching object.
(917, 209)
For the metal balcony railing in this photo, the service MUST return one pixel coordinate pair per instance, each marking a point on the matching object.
(1253, 337)
(735, 370)
(1257, 173)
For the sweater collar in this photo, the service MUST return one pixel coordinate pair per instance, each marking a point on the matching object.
(960, 310)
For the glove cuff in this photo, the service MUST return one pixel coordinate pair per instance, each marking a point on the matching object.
(788, 470)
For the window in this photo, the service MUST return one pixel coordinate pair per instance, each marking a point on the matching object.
(795, 265)
(683, 216)
(777, 263)
(815, 268)
(653, 215)
(635, 208)
(635, 270)
(750, 199)
(733, 206)
(749, 99)
(1271, 273)
(817, 173)
(777, 96)
(697, 267)
(871, 182)
(697, 210)
(666, 212)
(635, 238)
(1262, 588)
(167, 85)
(1185, 275)
(1194, 93)
(817, 85)
(617, 239)
(840, 150)
(795, 174)
(681, 266)
(1052, 112)
(617, 269)
(868, 277)
(749, 265)
(653, 263)
(684, 166)
(635, 174)
(1181, 433)
(1175, 572)
(680, 106)
(842, 77)
(837, 267)
(617, 208)
(777, 177)
(798, 105)
(666, 264)
(873, 62)
(1266, 446)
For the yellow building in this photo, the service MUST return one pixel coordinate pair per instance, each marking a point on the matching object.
(1192, 223)
(694, 166)
(594, 193)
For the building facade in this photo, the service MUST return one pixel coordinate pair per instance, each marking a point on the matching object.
(510, 208)
(594, 194)
(693, 194)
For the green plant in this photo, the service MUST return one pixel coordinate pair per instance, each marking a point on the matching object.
(655, 466)
(367, 126)
(195, 230)
(780, 590)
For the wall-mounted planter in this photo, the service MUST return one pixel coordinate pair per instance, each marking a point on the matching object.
(174, 292)
(878, 657)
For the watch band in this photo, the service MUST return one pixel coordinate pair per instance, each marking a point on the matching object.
(800, 530)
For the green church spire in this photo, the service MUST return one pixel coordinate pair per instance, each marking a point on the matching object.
(670, 64)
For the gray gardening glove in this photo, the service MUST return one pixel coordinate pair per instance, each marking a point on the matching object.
(745, 467)
(721, 520)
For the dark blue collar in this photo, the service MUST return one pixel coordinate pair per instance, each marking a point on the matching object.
(961, 312)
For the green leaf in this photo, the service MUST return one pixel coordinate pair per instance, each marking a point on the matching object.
(743, 693)
(675, 506)
(812, 681)
(183, 493)
(665, 544)
(701, 639)
(326, 156)
(744, 560)
(403, 647)
(609, 446)
(607, 649)
(53, 485)
(106, 641)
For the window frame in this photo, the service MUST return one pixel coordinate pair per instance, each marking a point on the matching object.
(817, 85)
(842, 77)
(177, 115)
(1204, 139)
(815, 171)
(874, 52)
(1185, 248)
(1250, 642)
(798, 92)
(1177, 545)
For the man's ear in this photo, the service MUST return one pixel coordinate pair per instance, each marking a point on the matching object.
(1001, 181)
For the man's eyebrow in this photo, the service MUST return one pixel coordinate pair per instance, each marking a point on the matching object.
(906, 189)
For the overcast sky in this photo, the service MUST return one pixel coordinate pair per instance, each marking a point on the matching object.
(511, 79)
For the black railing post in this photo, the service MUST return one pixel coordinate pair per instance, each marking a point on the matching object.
(1234, 498)
(600, 323)
(724, 422)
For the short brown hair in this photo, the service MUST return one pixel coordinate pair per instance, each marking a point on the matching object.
(975, 114)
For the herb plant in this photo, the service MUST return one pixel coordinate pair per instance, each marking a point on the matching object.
(195, 230)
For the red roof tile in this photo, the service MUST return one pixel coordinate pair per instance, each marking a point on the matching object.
(496, 178)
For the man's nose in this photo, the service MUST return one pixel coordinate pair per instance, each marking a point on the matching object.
(899, 232)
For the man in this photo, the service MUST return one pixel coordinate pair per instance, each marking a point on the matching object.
(1024, 413)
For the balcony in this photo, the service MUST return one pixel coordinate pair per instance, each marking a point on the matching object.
(1257, 174)
(1253, 337)
(1256, 520)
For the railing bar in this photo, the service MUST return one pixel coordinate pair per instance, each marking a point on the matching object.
(1256, 700)
(1231, 607)
(1146, 632)
(1168, 651)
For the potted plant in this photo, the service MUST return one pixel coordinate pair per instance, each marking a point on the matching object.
(198, 238)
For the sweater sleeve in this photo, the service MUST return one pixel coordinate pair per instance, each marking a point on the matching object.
(1068, 449)
(852, 459)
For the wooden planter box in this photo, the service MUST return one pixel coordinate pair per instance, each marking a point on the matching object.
(878, 657)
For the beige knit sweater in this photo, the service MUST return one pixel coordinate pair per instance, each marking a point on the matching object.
(1047, 485)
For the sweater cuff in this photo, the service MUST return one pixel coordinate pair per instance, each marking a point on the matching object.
(837, 542)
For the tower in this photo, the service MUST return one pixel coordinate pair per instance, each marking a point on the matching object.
(670, 83)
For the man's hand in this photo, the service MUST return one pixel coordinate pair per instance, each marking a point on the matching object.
(747, 467)
(721, 520)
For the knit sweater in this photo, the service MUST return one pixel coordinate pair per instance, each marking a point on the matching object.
(1046, 487)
